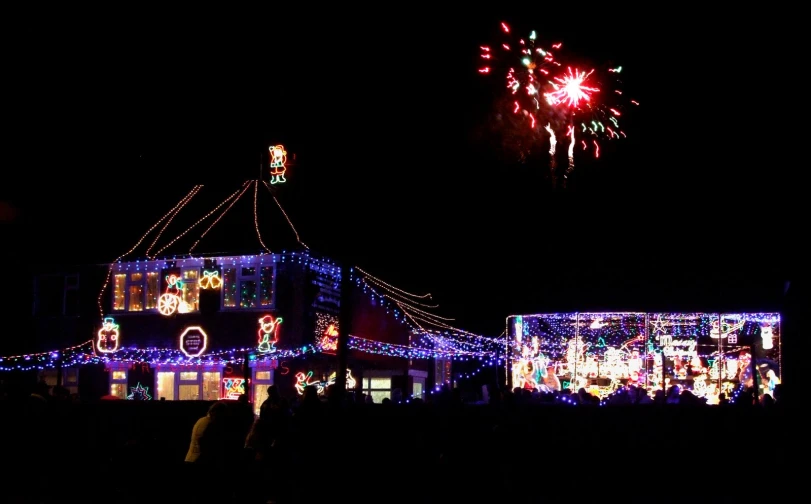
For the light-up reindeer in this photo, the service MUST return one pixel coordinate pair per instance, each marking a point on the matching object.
(278, 158)
(268, 333)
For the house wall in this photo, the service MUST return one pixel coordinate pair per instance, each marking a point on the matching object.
(305, 294)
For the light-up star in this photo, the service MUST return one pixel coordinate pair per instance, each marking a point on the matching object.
(569, 89)
(139, 393)
(658, 325)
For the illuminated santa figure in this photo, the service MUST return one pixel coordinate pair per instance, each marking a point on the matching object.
(278, 158)
(268, 329)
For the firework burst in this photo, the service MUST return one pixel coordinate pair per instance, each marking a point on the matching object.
(549, 99)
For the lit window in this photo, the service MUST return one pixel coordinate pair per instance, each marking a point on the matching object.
(189, 392)
(152, 290)
(419, 386)
(166, 385)
(248, 287)
(229, 287)
(136, 291)
(377, 388)
(263, 375)
(191, 289)
(211, 386)
(119, 375)
(266, 286)
(119, 390)
(259, 396)
(188, 375)
(120, 292)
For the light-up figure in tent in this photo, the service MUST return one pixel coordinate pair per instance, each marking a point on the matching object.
(278, 158)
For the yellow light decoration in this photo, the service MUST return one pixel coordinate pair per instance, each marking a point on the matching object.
(108, 336)
(211, 280)
(193, 341)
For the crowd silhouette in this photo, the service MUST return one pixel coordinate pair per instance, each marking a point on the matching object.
(313, 448)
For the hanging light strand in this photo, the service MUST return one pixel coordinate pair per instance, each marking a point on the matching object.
(211, 226)
(256, 216)
(169, 222)
(194, 190)
(235, 194)
(298, 238)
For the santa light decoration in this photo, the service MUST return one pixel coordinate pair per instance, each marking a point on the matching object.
(278, 159)
(268, 333)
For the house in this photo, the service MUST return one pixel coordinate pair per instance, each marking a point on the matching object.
(705, 353)
(169, 322)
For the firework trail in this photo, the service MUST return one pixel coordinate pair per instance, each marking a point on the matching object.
(553, 142)
(542, 89)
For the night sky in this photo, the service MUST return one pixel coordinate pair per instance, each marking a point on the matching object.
(397, 164)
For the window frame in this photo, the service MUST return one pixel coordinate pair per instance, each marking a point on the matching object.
(199, 369)
(220, 263)
(255, 277)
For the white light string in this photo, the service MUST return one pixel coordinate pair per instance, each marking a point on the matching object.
(298, 238)
(168, 222)
(211, 226)
(256, 216)
(235, 194)
(194, 190)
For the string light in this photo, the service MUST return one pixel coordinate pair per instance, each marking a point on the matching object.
(256, 216)
(99, 303)
(203, 235)
(206, 216)
(298, 238)
(168, 222)
(373, 278)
